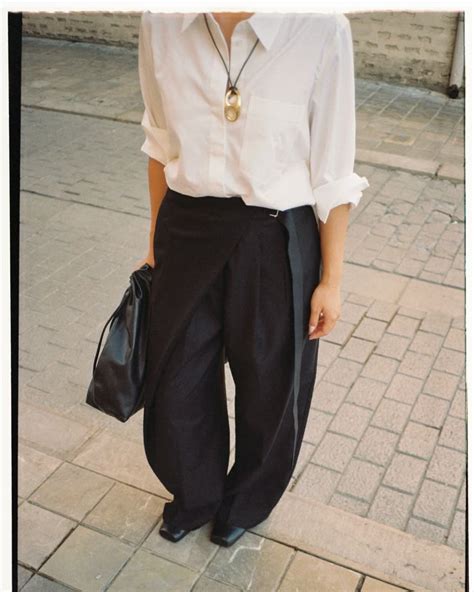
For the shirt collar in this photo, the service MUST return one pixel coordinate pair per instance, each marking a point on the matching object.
(264, 25)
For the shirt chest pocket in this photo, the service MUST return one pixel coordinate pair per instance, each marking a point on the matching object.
(271, 133)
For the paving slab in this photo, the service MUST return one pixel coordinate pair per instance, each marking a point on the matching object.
(205, 584)
(72, 491)
(148, 573)
(33, 468)
(377, 550)
(451, 171)
(387, 287)
(126, 513)
(23, 576)
(51, 433)
(121, 460)
(41, 584)
(371, 585)
(307, 572)
(195, 551)
(442, 299)
(39, 533)
(397, 162)
(253, 563)
(87, 560)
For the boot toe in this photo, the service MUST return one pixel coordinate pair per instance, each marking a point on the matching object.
(226, 535)
(172, 533)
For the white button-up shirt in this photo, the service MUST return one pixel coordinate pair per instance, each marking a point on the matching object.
(294, 141)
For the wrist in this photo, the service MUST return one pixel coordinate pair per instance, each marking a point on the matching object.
(331, 282)
(331, 275)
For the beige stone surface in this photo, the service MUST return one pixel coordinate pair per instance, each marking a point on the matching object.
(126, 513)
(194, 551)
(371, 585)
(51, 433)
(369, 282)
(310, 573)
(23, 576)
(426, 296)
(252, 563)
(41, 584)
(397, 161)
(87, 560)
(148, 573)
(451, 171)
(72, 491)
(33, 468)
(121, 460)
(39, 533)
(377, 550)
(205, 584)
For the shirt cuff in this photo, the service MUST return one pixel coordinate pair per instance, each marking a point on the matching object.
(157, 142)
(345, 190)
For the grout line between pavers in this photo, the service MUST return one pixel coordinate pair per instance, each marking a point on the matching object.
(83, 203)
(47, 577)
(413, 171)
(80, 114)
(287, 567)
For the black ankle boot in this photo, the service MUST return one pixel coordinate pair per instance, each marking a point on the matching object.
(225, 534)
(171, 533)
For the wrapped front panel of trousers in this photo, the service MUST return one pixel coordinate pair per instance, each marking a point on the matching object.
(230, 281)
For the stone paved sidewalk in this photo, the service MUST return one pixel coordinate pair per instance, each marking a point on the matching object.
(384, 451)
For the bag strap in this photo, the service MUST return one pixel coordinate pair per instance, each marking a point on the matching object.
(145, 267)
(110, 319)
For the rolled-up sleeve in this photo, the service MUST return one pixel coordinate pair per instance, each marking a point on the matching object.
(333, 126)
(156, 144)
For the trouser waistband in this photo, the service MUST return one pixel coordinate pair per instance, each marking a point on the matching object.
(234, 202)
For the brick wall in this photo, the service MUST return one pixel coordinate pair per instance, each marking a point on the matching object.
(115, 28)
(412, 48)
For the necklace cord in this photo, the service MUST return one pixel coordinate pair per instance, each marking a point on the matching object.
(229, 81)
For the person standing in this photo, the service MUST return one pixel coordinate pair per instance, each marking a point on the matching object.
(249, 126)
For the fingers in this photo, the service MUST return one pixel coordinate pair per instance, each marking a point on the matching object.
(314, 319)
(323, 326)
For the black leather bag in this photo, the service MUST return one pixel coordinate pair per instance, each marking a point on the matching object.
(119, 371)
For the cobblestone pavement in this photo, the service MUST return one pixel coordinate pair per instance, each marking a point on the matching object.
(385, 444)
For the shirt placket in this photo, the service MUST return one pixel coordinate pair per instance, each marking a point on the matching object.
(218, 143)
(216, 137)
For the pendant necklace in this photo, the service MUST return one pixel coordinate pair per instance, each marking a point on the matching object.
(232, 99)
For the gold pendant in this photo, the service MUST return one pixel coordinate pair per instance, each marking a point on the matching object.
(232, 104)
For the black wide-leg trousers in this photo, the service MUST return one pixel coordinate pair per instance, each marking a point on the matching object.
(231, 282)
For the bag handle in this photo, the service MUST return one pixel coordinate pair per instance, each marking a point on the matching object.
(145, 267)
(110, 319)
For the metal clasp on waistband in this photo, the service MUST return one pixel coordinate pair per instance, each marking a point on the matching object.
(275, 215)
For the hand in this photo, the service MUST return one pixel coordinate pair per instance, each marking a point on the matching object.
(150, 259)
(325, 310)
